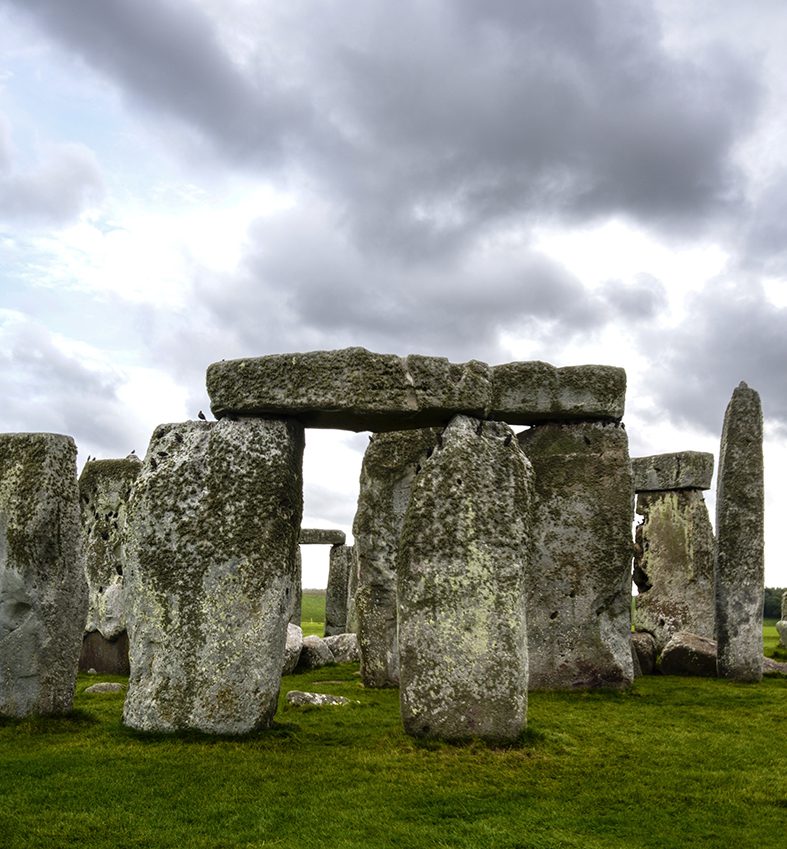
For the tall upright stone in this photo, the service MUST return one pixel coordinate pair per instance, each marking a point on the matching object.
(461, 586)
(296, 595)
(781, 625)
(213, 531)
(579, 589)
(673, 561)
(739, 568)
(352, 588)
(339, 564)
(387, 474)
(43, 594)
(104, 491)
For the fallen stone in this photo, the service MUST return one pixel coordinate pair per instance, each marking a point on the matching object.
(104, 687)
(689, 654)
(462, 569)
(644, 647)
(579, 591)
(213, 530)
(92, 671)
(773, 667)
(321, 536)
(314, 655)
(673, 566)
(292, 648)
(781, 625)
(355, 389)
(344, 647)
(682, 470)
(339, 564)
(298, 698)
(387, 475)
(739, 566)
(110, 657)
(43, 592)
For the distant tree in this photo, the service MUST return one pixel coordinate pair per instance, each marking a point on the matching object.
(772, 605)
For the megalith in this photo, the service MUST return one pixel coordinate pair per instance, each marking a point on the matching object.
(213, 531)
(339, 564)
(781, 625)
(579, 587)
(739, 564)
(462, 571)
(352, 588)
(104, 491)
(43, 593)
(389, 467)
(673, 560)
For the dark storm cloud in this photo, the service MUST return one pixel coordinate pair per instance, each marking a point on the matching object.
(731, 333)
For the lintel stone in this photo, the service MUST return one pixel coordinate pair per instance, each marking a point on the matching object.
(321, 536)
(664, 472)
(355, 389)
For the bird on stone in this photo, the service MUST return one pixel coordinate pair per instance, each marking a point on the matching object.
(201, 416)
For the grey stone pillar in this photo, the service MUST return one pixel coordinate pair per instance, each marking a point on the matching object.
(387, 475)
(781, 625)
(461, 583)
(740, 566)
(104, 491)
(340, 560)
(213, 521)
(579, 591)
(43, 593)
(296, 590)
(673, 562)
(352, 589)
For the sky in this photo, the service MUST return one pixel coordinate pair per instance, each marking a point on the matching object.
(584, 181)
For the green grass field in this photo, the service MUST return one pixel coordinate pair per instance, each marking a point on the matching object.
(313, 613)
(673, 762)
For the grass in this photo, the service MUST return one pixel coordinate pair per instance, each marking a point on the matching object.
(770, 638)
(671, 763)
(313, 613)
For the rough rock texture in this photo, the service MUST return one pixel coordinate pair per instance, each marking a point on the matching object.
(461, 587)
(689, 654)
(781, 625)
(579, 591)
(682, 470)
(321, 536)
(773, 667)
(739, 569)
(104, 687)
(535, 392)
(298, 698)
(344, 648)
(213, 520)
(314, 654)
(292, 648)
(387, 475)
(356, 389)
(644, 647)
(104, 490)
(673, 565)
(352, 589)
(340, 563)
(43, 593)
(296, 596)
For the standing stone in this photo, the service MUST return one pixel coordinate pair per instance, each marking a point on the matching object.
(739, 539)
(781, 625)
(461, 584)
(579, 590)
(352, 589)
(387, 475)
(341, 558)
(213, 521)
(43, 594)
(104, 490)
(673, 565)
(296, 591)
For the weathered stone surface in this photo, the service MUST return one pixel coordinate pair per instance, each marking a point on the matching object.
(110, 657)
(689, 654)
(536, 392)
(321, 536)
(461, 587)
(387, 475)
(43, 593)
(298, 698)
(773, 667)
(356, 389)
(339, 565)
(781, 625)
(644, 647)
(739, 568)
(681, 470)
(314, 654)
(213, 530)
(292, 648)
(673, 565)
(579, 591)
(352, 589)
(295, 600)
(104, 687)
(344, 648)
